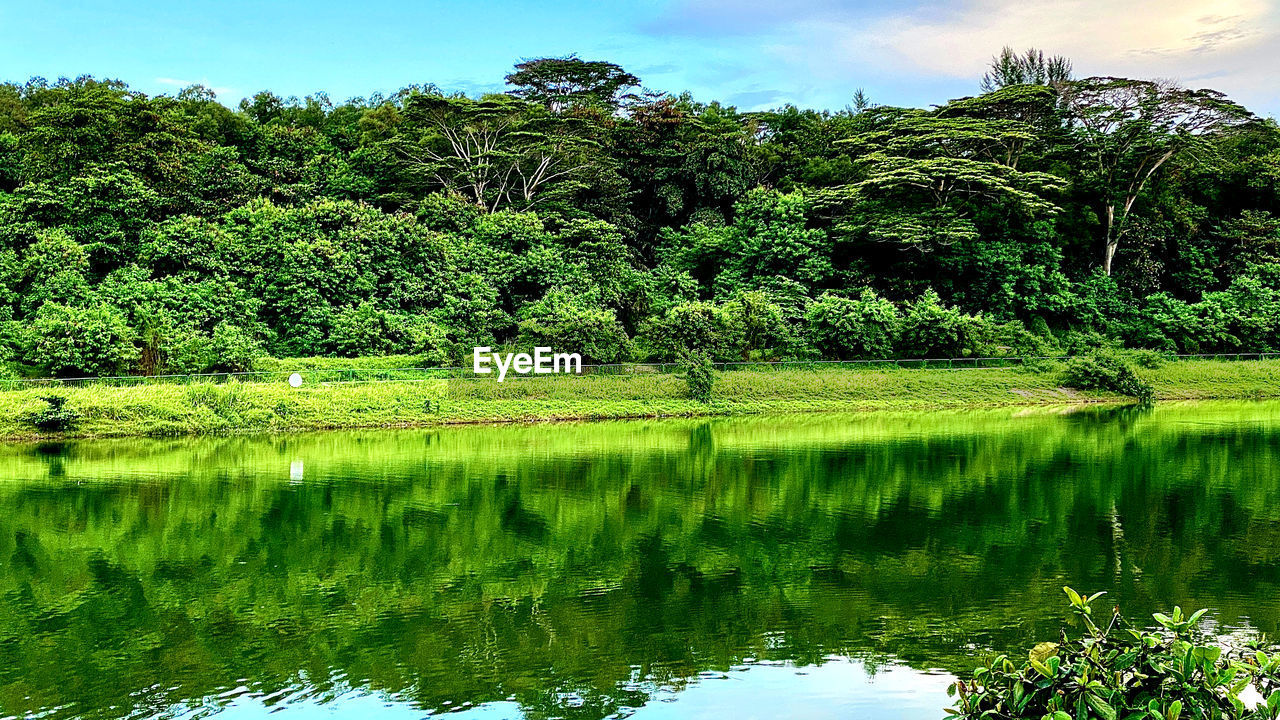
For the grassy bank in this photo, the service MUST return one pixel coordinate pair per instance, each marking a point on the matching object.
(169, 409)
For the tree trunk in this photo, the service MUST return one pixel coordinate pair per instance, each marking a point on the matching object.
(1112, 243)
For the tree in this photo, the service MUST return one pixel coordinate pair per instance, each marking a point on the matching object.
(1129, 129)
(1030, 68)
(500, 152)
(561, 83)
(71, 341)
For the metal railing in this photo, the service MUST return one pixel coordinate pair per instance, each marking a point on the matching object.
(411, 374)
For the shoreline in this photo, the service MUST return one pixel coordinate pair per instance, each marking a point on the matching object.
(165, 410)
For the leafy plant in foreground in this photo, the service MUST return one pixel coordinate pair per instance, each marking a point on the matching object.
(1123, 672)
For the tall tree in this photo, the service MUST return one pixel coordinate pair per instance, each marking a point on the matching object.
(498, 151)
(927, 173)
(1129, 129)
(559, 83)
(1029, 68)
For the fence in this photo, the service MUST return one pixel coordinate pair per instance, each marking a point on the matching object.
(410, 374)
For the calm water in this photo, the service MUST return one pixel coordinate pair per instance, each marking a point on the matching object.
(813, 566)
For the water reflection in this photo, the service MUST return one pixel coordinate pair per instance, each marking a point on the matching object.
(811, 566)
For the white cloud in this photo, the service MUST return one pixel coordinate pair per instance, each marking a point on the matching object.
(1130, 36)
(1230, 45)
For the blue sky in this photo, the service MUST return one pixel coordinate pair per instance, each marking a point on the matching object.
(750, 53)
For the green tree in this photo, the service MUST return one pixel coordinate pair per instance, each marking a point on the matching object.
(1029, 68)
(562, 83)
(1128, 130)
(70, 341)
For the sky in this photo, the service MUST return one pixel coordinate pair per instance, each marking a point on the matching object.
(753, 54)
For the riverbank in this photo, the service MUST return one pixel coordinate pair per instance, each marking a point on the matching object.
(170, 409)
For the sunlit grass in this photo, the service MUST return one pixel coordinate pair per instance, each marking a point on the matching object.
(270, 406)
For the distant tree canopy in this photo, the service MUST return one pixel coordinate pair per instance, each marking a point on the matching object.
(1029, 68)
(1046, 214)
(559, 83)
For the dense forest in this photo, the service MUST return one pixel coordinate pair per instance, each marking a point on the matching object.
(1044, 214)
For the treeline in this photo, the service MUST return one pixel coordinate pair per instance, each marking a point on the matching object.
(1045, 215)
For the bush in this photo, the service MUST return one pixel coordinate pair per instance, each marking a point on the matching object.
(699, 375)
(762, 323)
(1107, 373)
(695, 327)
(848, 329)
(1119, 671)
(171, 348)
(55, 417)
(929, 329)
(1014, 338)
(70, 341)
(1150, 359)
(235, 348)
(567, 323)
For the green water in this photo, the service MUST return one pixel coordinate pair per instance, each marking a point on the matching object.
(801, 566)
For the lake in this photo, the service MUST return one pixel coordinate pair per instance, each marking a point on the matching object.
(815, 566)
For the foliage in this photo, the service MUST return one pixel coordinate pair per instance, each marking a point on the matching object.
(848, 329)
(929, 329)
(699, 375)
(1119, 670)
(1030, 68)
(570, 324)
(561, 83)
(174, 234)
(55, 416)
(81, 341)
(695, 327)
(1107, 372)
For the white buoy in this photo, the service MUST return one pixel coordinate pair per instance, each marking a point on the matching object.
(295, 380)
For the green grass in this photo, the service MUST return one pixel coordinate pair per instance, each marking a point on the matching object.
(176, 409)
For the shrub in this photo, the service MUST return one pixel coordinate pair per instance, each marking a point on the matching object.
(567, 323)
(930, 329)
(1150, 359)
(55, 416)
(1108, 373)
(696, 326)
(1119, 671)
(699, 375)
(1014, 338)
(235, 348)
(168, 347)
(762, 322)
(849, 329)
(70, 341)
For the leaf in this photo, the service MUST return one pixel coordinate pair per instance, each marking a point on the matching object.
(1103, 708)
(1175, 709)
(1164, 620)
(1043, 651)
(1073, 596)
